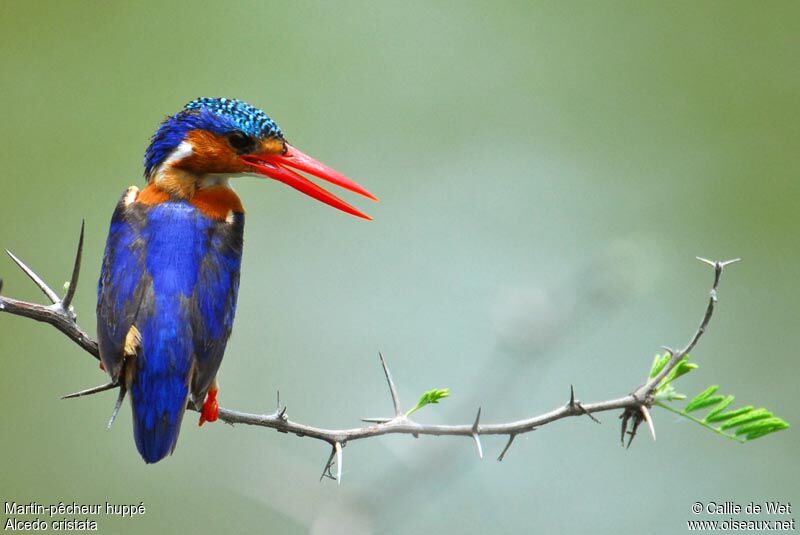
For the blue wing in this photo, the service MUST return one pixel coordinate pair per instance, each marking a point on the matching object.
(122, 283)
(171, 273)
(214, 301)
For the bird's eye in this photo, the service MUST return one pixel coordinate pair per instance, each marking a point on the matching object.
(241, 142)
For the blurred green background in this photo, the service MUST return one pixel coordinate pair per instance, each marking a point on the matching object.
(548, 172)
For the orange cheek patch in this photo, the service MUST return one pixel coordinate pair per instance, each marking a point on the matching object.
(211, 153)
(217, 202)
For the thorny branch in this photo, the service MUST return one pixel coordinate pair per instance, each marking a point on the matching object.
(635, 406)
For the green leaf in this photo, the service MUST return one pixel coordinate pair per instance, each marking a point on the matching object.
(429, 398)
(683, 367)
(742, 425)
(659, 361)
(665, 390)
(669, 393)
(728, 415)
(701, 398)
(721, 406)
(746, 418)
(708, 402)
(759, 425)
(767, 427)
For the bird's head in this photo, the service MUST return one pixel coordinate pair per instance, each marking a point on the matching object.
(213, 139)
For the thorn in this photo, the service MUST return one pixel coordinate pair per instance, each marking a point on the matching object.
(477, 440)
(511, 438)
(326, 472)
(1, 285)
(706, 261)
(51, 295)
(634, 429)
(392, 390)
(587, 413)
(338, 449)
(376, 420)
(647, 418)
(280, 413)
(117, 406)
(668, 350)
(725, 263)
(478, 444)
(477, 421)
(625, 417)
(92, 390)
(575, 404)
(76, 271)
(475, 436)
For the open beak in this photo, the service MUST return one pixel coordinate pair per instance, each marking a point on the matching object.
(277, 166)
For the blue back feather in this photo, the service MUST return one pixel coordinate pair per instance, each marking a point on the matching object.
(175, 236)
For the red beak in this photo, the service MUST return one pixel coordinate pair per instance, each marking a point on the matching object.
(277, 166)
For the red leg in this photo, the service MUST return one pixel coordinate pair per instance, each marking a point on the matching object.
(210, 410)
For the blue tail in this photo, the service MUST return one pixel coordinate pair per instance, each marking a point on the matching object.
(158, 400)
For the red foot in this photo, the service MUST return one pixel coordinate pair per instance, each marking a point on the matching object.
(210, 410)
(102, 367)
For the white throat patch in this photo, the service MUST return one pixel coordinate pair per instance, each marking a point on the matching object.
(184, 150)
(210, 181)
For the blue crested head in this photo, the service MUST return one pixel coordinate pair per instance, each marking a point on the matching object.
(212, 140)
(222, 116)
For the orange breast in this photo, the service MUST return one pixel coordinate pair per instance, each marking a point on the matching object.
(217, 202)
(151, 195)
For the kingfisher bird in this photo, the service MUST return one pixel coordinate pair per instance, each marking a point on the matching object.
(170, 272)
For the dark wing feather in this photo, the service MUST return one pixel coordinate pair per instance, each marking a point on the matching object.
(123, 279)
(214, 301)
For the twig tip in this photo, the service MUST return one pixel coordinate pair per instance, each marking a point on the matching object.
(729, 262)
